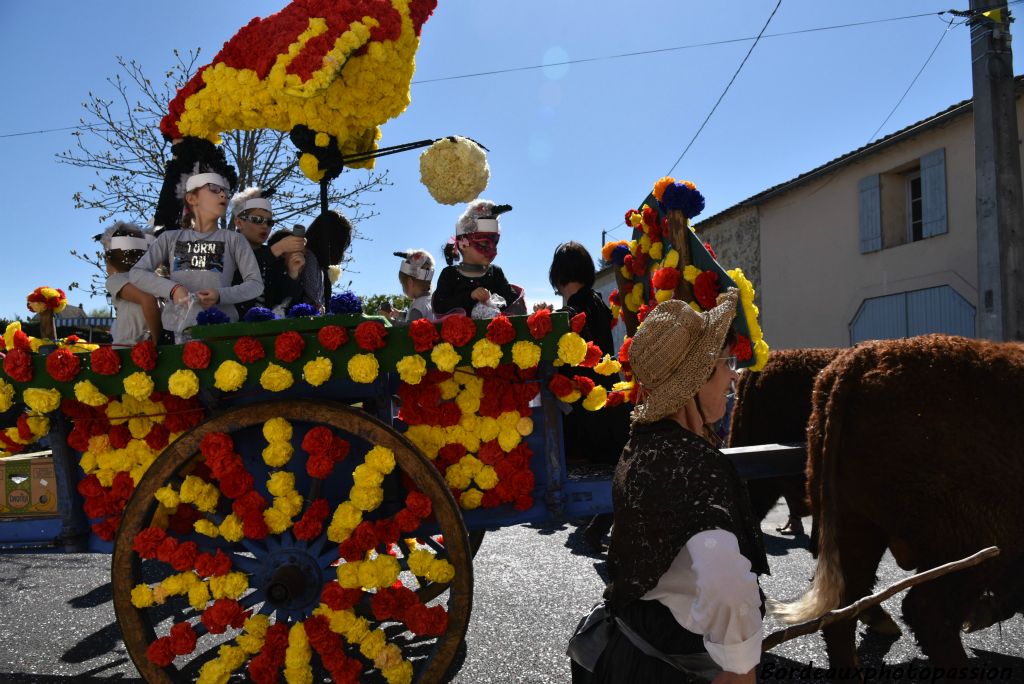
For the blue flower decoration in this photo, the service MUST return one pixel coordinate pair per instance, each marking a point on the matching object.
(345, 303)
(619, 255)
(684, 198)
(258, 313)
(301, 310)
(212, 316)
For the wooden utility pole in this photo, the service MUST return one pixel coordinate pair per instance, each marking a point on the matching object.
(1000, 209)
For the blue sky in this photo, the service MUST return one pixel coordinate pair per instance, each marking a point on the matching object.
(572, 147)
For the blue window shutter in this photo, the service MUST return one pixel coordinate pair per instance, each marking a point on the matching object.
(870, 214)
(933, 193)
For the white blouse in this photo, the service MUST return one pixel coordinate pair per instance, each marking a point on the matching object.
(711, 591)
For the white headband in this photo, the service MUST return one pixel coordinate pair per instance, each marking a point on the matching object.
(417, 272)
(127, 242)
(485, 225)
(256, 203)
(201, 179)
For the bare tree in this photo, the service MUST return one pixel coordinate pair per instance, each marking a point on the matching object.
(119, 138)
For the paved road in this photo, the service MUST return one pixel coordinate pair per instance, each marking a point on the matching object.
(57, 622)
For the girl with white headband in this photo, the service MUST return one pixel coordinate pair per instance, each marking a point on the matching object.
(416, 275)
(202, 260)
(138, 313)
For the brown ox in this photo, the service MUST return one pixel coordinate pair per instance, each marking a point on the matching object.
(915, 445)
(772, 406)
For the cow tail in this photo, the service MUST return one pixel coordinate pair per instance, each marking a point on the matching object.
(826, 591)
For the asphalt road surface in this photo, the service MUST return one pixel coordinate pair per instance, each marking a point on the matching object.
(531, 586)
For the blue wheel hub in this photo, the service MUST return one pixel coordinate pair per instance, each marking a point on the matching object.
(291, 580)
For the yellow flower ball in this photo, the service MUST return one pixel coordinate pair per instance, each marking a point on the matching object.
(168, 497)
(199, 596)
(454, 171)
(276, 378)
(400, 674)
(277, 430)
(281, 483)
(457, 477)
(85, 392)
(596, 399)
(229, 376)
(366, 498)
(524, 426)
(7, 394)
(277, 454)
(381, 458)
(486, 354)
(231, 528)
(411, 369)
(363, 368)
(445, 357)
(471, 499)
(690, 273)
(657, 249)
(138, 385)
(526, 354)
(183, 383)
(572, 348)
(41, 400)
(142, 596)
(317, 371)
(206, 527)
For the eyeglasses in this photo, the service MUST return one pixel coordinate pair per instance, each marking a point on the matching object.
(258, 220)
(215, 189)
(730, 362)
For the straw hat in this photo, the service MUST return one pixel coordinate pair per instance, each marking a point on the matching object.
(674, 353)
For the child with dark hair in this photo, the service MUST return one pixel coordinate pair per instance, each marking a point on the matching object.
(327, 238)
(138, 313)
(416, 275)
(474, 283)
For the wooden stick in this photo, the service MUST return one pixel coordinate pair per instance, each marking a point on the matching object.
(859, 606)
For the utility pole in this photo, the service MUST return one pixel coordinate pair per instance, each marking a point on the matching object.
(1000, 209)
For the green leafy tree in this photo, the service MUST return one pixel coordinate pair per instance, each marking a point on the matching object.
(372, 303)
(120, 141)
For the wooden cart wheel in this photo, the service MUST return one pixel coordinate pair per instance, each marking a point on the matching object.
(380, 632)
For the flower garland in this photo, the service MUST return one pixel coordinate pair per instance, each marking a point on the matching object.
(50, 299)
(454, 170)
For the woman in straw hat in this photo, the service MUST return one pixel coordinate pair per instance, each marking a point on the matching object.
(685, 550)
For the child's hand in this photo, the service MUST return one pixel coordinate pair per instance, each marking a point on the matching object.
(207, 298)
(179, 295)
(481, 294)
(288, 245)
(295, 262)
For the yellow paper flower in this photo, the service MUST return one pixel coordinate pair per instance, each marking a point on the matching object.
(183, 383)
(487, 478)
(608, 366)
(229, 376)
(690, 273)
(572, 348)
(297, 656)
(525, 354)
(281, 483)
(168, 497)
(445, 357)
(138, 385)
(7, 394)
(411, 369)
(276, 378)
(142, 596)
(381, 459)
(596, 399)
(366, 498)
(317, 371)
(277, 454)
(231, 528)
(486, 354)
(277, 430)
(363, 368)
(85, 392)
(41, 400)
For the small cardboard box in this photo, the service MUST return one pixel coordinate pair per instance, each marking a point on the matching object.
(28, 485)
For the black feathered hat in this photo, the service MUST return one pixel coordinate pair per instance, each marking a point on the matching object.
(189, 157)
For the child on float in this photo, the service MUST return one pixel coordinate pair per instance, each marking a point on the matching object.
(475, 285)
(138, 312)
(281, 261)
(201, 260)
(416, 274)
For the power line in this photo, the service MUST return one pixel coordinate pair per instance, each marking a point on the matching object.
(584, 60)
(727, 86)
(931, 54)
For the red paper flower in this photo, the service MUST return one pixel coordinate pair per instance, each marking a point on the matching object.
(236, 482)
(561, 386)
(288, 346)
(157, 437)
(18, 365)
(614, 399)
(707, 246)
(539, 323)
(500, 330)
(226, 613)
(578, 322)
(183, 519)
(249, 503)
(196, 355)
(217, 445)
(332, 336)
(254, 526)
(665, 279)
(144, 355)
(183, 638)
(593, 356)
(318, 440)
(106, 529)
(312, 521)
(147, 541)
(423, 334)
(214, 565)
(642, 312)
(160, 652)
(184, 557)
(119, 436)
(741, 348)
(585, 384)
(249, 349)
(319, 465)
(706, 289)
(458, 330)
(63, 365)
(419, 504)
(371, 335)
(338, 598)
(105, 361)
(624, 350)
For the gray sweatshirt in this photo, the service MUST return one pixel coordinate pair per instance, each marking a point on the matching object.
(199, 261)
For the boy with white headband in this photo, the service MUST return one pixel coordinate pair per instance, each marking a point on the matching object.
(281, 264)
(416, 275)
(202, 260)
(138, 313)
